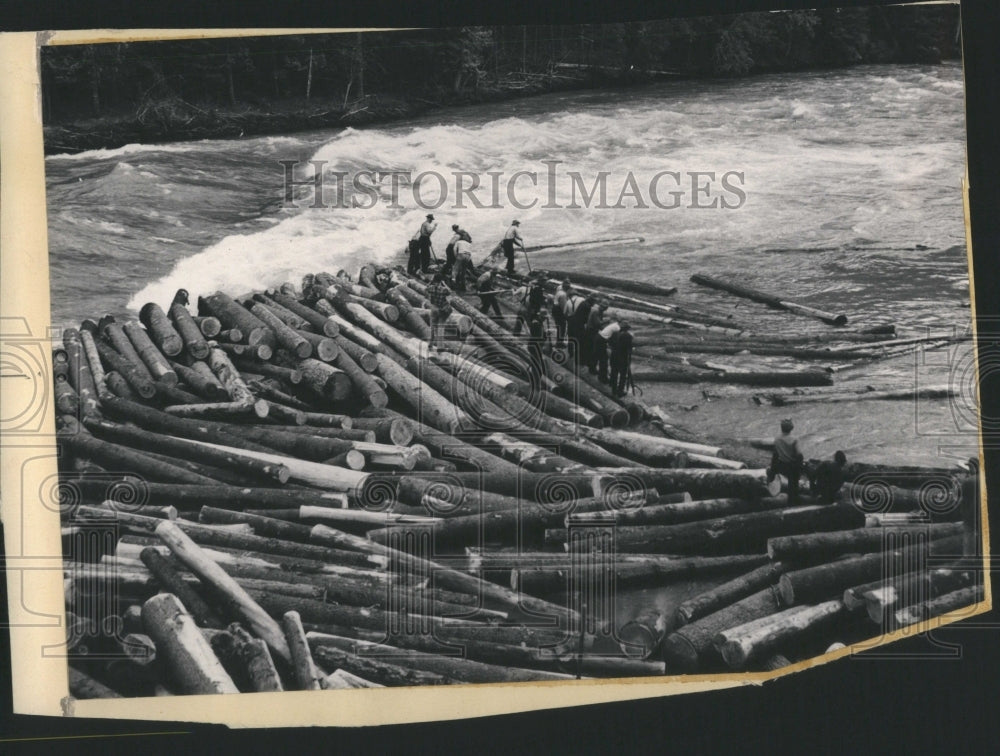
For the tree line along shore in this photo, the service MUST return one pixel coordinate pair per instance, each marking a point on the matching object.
(108, 95)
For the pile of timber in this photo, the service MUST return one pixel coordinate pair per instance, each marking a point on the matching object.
(291, 490)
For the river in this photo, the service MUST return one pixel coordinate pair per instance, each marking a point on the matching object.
(842, 190)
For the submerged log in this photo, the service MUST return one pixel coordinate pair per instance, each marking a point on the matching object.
(185, 650)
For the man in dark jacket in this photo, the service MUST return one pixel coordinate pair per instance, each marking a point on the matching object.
(620, 342)
(787, 460)
(828, 477)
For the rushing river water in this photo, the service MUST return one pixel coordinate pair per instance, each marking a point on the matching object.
(843, 191)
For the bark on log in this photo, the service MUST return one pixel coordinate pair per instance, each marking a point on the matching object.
(114, 334)
(701, 484)
(817, 547)
(115, 457)
(740, 645)
(363, 382)
(92, 381)
(136, 438)
(286, 316)
(456, 667)
(445, 577)
(729, 592)
(83, 686)
(381, 672)
(193, 339)
(161, 330)
(188, 497)
(180, 643)
(681, 512)
(882, 599)
(745, 533)
(136, 379)
(236, 599)
(949, 602)
(429, 405)
(319, 322)
(550, 580)
(229, 376)
(233, 315)
(209, 326)
(823, 581)
(172, 582)
(344, 680)
(688, 647)
(838, 319)
(388, 430)
(285, 336)
(304, 670)
(199, 383)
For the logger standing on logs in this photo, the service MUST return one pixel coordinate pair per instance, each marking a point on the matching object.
(620, 340)
(424, 241)
(463, 263)
(597, 352)
(485, 285)
(532, 299)
(574, 301)
(511, 239)
(558, 311)
(787, 460)
(437, 294)
(451, 251)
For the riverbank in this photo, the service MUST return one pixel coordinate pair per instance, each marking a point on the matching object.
(177, 120)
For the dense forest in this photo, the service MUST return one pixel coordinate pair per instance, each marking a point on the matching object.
(109, 94)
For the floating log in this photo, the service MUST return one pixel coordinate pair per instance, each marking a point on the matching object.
(161, 330)
(743, 533)
(229, 377)
(823, 581)
(363, 383)
(90, 359)
(115, 335)
(199, 382)
(623, 284)
(184, 649)
(729, 592)
(740, 645)
(690, 646)
(445, 577)
(286, 316)
(819, 546)
(237, 600)
(770, 300)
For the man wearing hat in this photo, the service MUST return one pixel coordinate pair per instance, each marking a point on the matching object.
(511, 239)
(787, 460)
(424, 240)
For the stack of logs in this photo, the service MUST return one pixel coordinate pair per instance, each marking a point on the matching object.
(291, 490)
